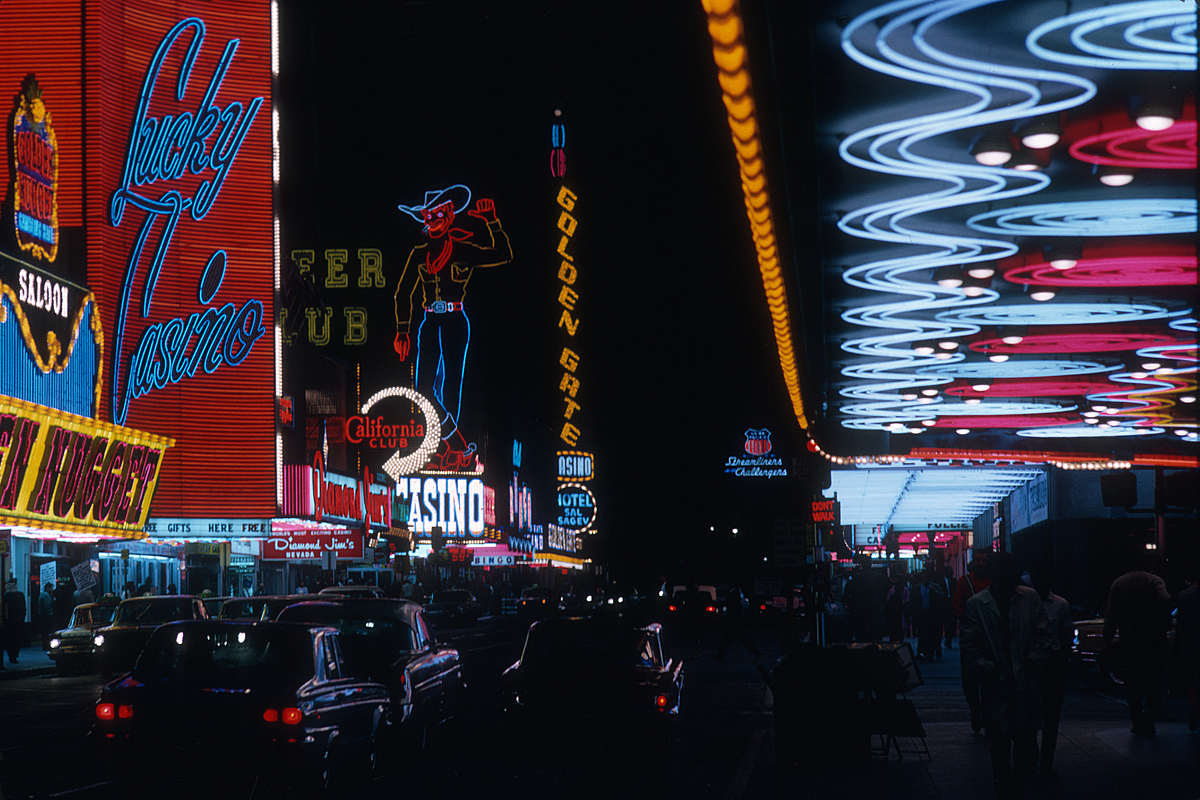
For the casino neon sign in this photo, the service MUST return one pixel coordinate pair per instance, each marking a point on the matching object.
(201, 143)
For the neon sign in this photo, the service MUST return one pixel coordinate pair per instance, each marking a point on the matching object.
(568, 274)
(574, 465)
(457, 505)
(1145, 216)
(74, 473)
(35, 195)
(441, 268)
(396, 464)
(576, 508)
(201, 143)
(312, 492)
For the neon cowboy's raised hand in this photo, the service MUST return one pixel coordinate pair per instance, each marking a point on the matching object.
(485, 209)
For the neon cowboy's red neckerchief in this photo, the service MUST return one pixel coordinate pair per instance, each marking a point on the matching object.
(434, 266)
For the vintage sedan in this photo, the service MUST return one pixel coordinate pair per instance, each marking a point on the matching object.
(389, 641)
(71, 648)
(453, 607)
(594, 677)
(536, 602)
(258, 692)
(353, 590)
(263, 607)
(117, 646)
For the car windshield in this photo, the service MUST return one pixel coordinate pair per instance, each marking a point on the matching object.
(589, 647)
(237, 658)
(534, 594)
(153, 611)
(242, 608)
(450, 596)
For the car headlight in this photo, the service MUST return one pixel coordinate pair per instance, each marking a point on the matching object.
(98, 640)
(1075, 641)
(55, 643)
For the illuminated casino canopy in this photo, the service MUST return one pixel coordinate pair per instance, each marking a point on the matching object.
(1007, 211)
(920, 498)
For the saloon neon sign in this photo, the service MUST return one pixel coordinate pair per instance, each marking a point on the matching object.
(203, 143)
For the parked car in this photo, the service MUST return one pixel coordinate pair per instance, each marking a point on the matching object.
(589, 676)
(264, 607)
(117, 646)
(389, 641)
(453, 606)
(536, 601)
(264, 692)
(71, 648)
(352, 591)
(1088, 653)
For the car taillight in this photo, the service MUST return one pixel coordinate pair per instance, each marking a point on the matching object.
(125, 712)
(271, 715)
(713, 609)
(661, 701)
(672, 608)
(291, 716)
(106, 711)
(762, 608)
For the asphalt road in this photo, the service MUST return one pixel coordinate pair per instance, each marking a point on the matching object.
(45, 720)
(723, 747)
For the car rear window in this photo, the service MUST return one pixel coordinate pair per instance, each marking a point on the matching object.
(241, 609)
(588, 647)
(451, 596)
(386, 631)
(234, 658)
(153, 612)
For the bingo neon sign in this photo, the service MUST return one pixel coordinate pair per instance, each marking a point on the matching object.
(202, 143)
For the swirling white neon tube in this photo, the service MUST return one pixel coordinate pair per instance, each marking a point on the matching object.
(1132, 217)
(996, 93)
(1179, 55)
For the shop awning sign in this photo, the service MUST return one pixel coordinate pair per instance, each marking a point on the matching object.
(311, 544)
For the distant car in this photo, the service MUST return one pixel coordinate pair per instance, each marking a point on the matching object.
(712, 609)
(117, 646)
(388, 641)
(453, 606)
(352, 591)
(264, 607)
(71, 648)
(594, 676)
(267, 692)
(536, 601)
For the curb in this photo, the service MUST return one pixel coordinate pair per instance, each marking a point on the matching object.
(9, 673)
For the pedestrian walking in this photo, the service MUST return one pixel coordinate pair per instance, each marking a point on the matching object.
(1137, 616)
(45, 610)
(1187, 642)
(949, 621)
(694, 603)
(927, 607)
(865, 593)
(1006, 642)
(15, 632)
(967, 587)
(64, 603)
(735, 626)
(894, 608)
(1054, 677)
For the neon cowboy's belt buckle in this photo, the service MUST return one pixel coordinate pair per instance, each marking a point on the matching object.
(442, 307)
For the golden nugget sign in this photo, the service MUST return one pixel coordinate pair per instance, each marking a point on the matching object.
(65, 472)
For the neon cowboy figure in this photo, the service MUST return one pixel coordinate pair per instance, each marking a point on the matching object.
(441, 268)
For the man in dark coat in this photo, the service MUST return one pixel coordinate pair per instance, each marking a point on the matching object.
(1006, 642)
(1139, 613)
(14, 620)
(865, 592)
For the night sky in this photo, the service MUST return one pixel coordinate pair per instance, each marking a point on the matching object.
(380, 102)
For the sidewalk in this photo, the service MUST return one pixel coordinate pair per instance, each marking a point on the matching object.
(30, 661)
(1097, 758)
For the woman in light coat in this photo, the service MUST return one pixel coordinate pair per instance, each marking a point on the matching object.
(1006, 642)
